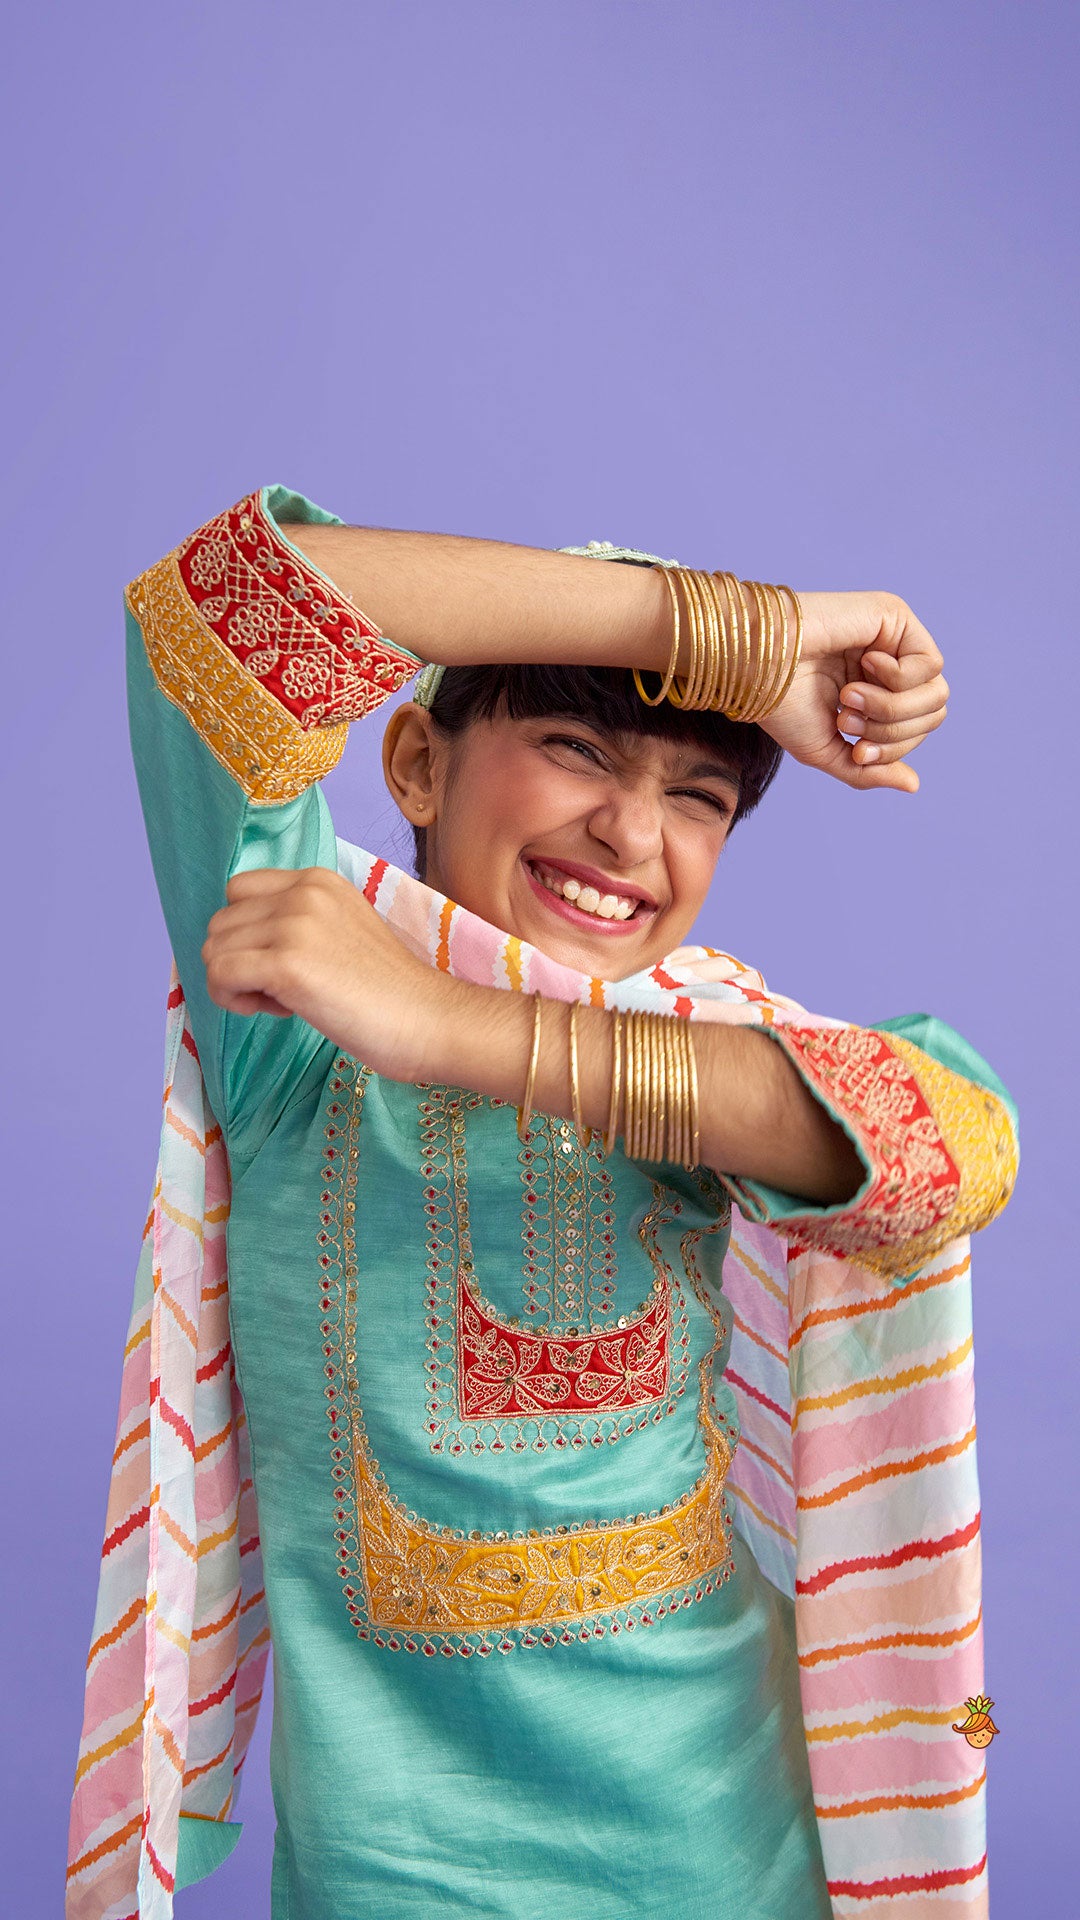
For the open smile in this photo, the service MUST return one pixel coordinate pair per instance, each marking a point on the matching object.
(580, 897)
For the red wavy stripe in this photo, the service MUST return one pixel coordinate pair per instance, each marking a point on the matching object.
(215, 1365)
(374, 880)
(908, 1882)
(189, 1044)
(167, 1879)
(874, 1562)
(755, 1394)
(129, 1526)
(179, 1426)
(213, 1699)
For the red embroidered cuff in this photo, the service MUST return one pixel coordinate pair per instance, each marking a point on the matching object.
(268, 659)
(940, 1150)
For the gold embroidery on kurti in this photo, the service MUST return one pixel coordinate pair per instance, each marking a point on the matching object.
(567, 1226)
(941, 1149)
(267, 752)
(979, 1135)
(465, 1410)
(411, 1584)
(423, 1577)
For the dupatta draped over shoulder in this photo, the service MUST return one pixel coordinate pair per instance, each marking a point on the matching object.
(854, 1480)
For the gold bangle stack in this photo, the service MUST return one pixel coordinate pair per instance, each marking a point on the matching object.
(654, 1080)
(654, 1087)
(724, 671)
(660, 1105)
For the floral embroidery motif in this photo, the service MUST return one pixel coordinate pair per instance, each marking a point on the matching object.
(502, 1369)
(414, 1586)
(248, 732)
(424, 1580)
(236, 601)
(941, 1148)
(496, 1382)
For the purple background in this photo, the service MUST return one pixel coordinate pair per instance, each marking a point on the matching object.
(787, 289)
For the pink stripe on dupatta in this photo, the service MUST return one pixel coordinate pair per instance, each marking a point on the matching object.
(886, 1615)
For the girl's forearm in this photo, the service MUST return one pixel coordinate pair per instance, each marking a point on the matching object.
(464, 602)
(757, 1118)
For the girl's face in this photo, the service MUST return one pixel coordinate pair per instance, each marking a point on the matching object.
(596, 848)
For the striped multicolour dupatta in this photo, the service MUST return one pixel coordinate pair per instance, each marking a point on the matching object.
(854, 1480)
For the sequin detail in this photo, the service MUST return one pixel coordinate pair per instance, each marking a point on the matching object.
(411, 1585)
(502, 1382)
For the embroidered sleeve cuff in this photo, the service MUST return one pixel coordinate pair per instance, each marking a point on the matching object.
(939, 1150)
(258, 647)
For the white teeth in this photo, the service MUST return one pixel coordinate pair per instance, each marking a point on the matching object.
(606, 906)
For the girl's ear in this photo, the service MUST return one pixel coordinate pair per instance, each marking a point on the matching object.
(411, 760)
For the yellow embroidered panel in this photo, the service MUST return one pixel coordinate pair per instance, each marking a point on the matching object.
(248, 731)
(419, 1577)
(410, 1583)
(979, 1135)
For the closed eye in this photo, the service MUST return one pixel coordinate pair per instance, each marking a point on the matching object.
(580, 746)
(721, 806)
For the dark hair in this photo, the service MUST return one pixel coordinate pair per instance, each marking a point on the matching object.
(605, 698)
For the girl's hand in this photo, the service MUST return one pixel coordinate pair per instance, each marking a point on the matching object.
(308, 943)
(868, 667)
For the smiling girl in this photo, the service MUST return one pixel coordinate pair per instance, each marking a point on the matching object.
(439, 1237)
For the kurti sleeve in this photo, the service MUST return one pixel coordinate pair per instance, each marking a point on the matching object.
(246, 666)
(934, 1128)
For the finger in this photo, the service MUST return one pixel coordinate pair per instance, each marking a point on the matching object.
(867, 753)
(249, 1003)
(897, 672)
(279, 907)
(896, 775)
(905, 703)
(886, 731)
(247, 974)
(839, 760)
(258, 882)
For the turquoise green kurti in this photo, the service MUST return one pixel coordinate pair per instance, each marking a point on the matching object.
(656, 1771)
(533, 1343)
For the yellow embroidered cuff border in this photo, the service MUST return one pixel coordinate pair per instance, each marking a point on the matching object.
(249, 733)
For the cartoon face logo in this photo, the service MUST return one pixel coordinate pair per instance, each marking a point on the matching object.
(978, 1729)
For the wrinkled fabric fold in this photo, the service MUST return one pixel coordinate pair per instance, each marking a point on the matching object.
(854, 1481)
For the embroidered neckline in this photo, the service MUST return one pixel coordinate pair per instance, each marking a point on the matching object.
(411, 1585)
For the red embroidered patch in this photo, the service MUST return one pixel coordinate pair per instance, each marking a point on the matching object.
(866, 1083)
(508, 1370)
(287, 625)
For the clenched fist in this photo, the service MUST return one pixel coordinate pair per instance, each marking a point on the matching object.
(308, 943)
(869, 667)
